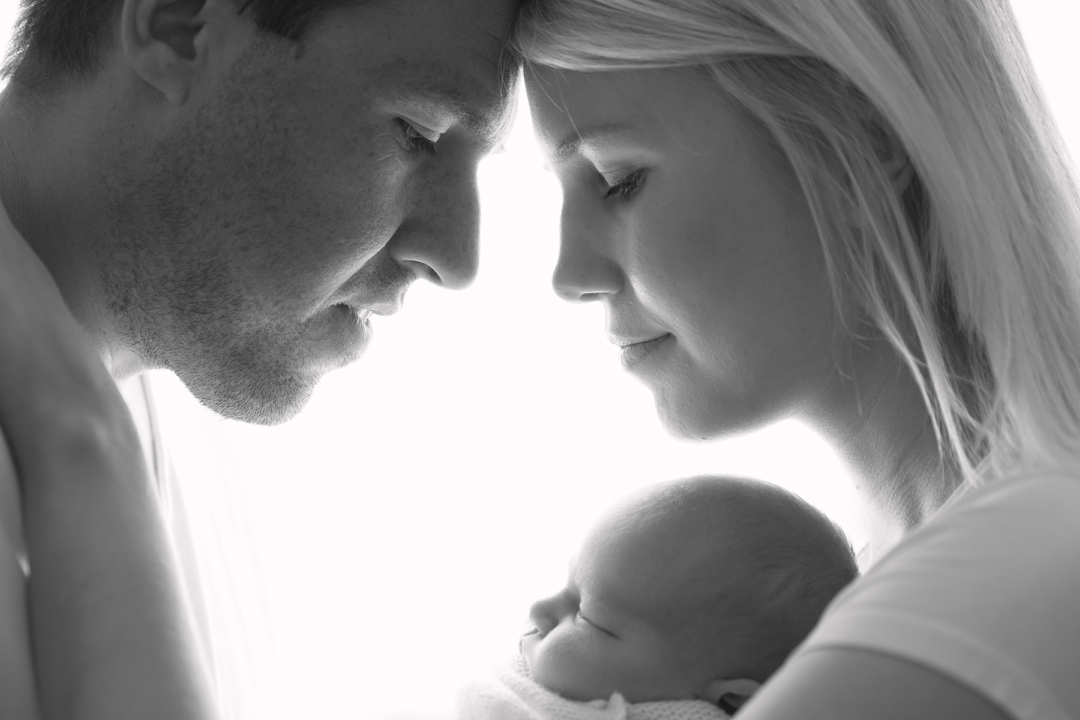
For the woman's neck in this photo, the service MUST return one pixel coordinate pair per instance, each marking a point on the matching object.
(876, 418)
(901, 486)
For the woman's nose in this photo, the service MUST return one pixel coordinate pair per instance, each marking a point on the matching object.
(586, 270)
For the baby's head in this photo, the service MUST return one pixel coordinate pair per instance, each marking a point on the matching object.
(696, 588)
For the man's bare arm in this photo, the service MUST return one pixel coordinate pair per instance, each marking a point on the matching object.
(18, 698)
(111, 640)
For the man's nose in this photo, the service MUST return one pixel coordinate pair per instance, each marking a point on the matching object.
(441, 241)
(586, 269)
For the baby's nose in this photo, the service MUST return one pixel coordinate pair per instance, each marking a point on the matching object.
(543, 615)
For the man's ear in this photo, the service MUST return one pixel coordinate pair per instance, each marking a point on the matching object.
(731, 693)
(167, 42)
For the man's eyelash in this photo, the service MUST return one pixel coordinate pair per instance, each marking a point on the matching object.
(414, 140)
(626, 187)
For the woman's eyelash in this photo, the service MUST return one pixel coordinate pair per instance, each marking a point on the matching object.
(626, 187)
(414, 140)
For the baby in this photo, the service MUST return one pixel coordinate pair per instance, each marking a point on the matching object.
(693, 590)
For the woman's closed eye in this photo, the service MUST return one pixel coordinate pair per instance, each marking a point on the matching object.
(625, 187)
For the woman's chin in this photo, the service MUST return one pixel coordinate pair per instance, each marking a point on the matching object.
(706, 417)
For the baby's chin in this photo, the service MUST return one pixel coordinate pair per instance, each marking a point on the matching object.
(526, 652)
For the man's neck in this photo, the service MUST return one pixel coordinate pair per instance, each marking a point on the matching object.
(51, 190)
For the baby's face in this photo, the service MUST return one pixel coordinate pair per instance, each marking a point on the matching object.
(616, 626)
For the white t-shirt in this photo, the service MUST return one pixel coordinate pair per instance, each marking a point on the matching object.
(986, 593)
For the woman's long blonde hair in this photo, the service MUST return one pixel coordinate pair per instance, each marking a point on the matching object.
(973, 271)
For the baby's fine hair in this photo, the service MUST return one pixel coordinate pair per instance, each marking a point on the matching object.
(790, 559)
(972, 271)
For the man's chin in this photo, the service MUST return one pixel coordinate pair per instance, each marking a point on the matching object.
(263, 401)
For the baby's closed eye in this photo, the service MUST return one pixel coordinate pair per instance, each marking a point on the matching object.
(580, 617)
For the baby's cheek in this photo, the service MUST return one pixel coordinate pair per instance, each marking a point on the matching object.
(570, 667)
(545, 657)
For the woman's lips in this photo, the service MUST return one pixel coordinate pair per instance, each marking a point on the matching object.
(636, 352)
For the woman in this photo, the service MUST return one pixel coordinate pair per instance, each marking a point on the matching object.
(853, 212)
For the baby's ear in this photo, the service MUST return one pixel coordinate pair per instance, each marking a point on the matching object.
(731, 693)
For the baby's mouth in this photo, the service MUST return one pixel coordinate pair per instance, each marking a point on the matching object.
(521, 642)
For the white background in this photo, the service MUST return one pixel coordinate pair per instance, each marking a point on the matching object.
(385, 546)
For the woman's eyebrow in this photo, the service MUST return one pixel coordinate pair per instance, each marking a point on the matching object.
(589, 136)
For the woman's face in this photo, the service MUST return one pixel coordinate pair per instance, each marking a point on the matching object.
(682, 217)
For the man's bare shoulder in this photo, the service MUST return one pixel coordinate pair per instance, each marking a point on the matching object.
(10, 513)
(16, 675)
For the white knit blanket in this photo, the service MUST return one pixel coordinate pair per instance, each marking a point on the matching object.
(509, 694)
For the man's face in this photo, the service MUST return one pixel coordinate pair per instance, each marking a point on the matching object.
(304, 187)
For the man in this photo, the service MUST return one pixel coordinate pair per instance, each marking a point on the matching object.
(228, 202)
(229, 188)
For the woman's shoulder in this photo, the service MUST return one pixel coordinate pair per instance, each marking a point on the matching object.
(1023, 490)
(1013, 539)
(1044, 506)
(1031, 520)
(987, 592)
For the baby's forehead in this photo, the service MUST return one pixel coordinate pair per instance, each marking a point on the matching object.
(641, 558)
(692, 538)
(714, 512)
(708, 524)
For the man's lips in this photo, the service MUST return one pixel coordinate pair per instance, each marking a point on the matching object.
(362, 314)
(364, 310)
(385, 301)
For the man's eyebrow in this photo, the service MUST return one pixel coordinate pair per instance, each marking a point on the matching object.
(483, 111)
(571, 144)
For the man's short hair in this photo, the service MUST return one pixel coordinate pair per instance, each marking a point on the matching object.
(58, 38)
